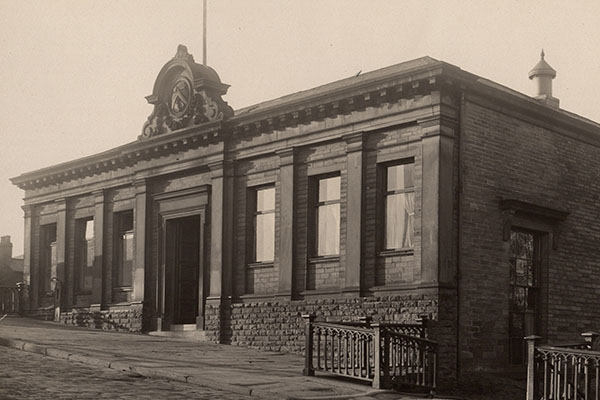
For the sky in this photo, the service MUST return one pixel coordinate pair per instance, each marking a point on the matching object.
(74, 73)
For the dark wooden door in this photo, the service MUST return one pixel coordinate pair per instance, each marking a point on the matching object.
(183, 267)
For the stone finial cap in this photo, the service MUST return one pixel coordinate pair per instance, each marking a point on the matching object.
(542, 68)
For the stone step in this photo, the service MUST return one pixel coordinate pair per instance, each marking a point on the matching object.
(190, 335)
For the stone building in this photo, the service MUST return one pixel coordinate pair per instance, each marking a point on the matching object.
(415, 189)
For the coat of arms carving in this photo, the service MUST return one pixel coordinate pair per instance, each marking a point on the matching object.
(185, 94)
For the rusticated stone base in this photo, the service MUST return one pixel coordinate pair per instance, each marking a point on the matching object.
(277, 325)
(125, 319)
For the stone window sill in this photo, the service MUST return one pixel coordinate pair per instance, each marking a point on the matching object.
(396, 252)
(123, 304)
(319, 292)
(257, 296)
(256, 265)
(123, 289)
(324, 259)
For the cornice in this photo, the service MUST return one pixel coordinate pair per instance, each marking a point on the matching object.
(388, 85)
(319, 106)
(120, 157)
(521, 106)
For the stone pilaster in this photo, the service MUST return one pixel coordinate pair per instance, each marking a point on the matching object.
(286, 222)
(96, 299)
(27, 257)
(437, 201)
(220, 275)
(61, 244)
(354, 211)
(139, 261)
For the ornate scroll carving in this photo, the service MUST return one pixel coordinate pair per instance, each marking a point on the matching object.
(186, 94)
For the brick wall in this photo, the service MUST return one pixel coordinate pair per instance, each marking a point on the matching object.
(260, 279)
(384, 147)
(508, 157)
(311, 162)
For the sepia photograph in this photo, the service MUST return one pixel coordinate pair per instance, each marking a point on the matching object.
(300, 199)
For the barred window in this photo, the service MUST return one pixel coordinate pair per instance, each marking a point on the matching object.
(399, 206)
(124, 248)
(264, 224)
(328, 216)
(84, 253)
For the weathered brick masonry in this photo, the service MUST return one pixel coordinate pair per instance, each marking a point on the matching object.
(483, 160)
(515, 156)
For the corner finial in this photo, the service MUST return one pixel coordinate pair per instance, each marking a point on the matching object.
(542, 55)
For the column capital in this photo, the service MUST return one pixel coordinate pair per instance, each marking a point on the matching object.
(354, 141)
(98, 196)
(28, 210)
(286, 156)
(438, 125)
(61, 204)
(220, 168)
(140, 185)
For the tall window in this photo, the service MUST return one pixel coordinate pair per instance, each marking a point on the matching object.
(399, 206)
(85, 253)
(264, 224)
(524, 291)
(123, 248)
(328, 216)
(47, 257)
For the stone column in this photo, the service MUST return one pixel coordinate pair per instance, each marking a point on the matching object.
(139, 261)
(31, 302)
(61, 244)
(96, 300)
(221, 222)
(286, 222)
(437, 201)
(354, 211)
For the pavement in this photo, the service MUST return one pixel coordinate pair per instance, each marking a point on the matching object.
(233, 369)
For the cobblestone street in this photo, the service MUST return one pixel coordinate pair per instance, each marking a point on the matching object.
(33, 376)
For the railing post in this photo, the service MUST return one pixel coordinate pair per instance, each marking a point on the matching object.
(531, 384)
(592, 339)
(379, 359)
(20, 297)
(424, 319)
(365, 320)
(308, 352)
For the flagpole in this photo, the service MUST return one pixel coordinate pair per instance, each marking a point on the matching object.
(204, 35)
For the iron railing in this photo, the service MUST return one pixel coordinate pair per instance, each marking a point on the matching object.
(384, 354)
(563, 372)
(9, 300)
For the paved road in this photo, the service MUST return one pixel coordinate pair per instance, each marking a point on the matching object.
(33, 376)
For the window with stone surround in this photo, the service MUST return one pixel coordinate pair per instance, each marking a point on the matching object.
(263, 224)
(123, 249)
(399, 205)
(327, 215)
(525, 259)
(84, 254)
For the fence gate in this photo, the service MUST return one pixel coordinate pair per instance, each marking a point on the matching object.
(9, 300)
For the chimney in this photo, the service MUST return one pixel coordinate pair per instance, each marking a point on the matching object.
(543, 74)
(5, 250)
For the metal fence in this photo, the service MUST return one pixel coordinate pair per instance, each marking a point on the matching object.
(384, 354)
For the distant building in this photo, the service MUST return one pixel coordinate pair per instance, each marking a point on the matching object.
(11, 268)
(415, 189)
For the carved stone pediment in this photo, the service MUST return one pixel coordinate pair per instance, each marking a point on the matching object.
(185, 94)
